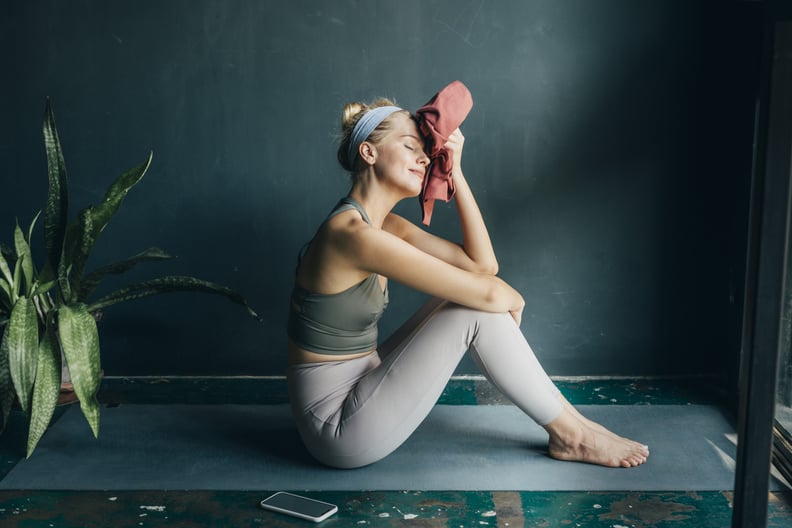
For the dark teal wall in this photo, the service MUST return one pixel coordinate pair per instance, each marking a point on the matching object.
(609, 146)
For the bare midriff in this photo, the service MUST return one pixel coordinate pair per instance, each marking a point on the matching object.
(299, 356)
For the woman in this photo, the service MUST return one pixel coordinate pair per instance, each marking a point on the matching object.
(355, 403)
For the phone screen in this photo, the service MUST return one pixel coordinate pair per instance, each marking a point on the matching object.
(302, 506)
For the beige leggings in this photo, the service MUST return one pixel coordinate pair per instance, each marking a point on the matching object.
(352, 413)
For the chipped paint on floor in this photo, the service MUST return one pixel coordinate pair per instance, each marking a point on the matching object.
(449, 509)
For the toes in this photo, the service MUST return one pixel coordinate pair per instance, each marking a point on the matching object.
(633, 460)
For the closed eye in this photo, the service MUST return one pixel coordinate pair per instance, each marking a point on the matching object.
(409, 147)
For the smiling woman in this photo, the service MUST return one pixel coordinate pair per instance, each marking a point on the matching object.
(355, 402)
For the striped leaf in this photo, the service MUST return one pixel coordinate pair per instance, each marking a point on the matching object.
(83, 232)
(92, 280)
(6, 385)
(77, 241)
(57, 209)
(6, 273)
(63, 272)
(16, 286)
(40, 288)
(6, 298)
(46, 388)
(24, 258)
(23, 341)
(80, 344)
(32, 227)
(168, 285)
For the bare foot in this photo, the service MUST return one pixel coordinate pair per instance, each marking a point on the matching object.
(598, 427)
(573, 439)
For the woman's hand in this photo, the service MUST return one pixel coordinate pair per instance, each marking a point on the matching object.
(517, 311)
(454, 145)
(516, 315)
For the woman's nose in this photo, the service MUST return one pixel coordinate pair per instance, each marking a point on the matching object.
(424, 159)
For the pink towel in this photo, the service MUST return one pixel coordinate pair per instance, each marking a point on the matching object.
(437, 119)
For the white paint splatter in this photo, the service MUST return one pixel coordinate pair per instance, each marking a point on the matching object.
(405, 515)
(153, 508)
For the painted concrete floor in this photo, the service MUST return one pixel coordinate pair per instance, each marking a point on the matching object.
(451, 509)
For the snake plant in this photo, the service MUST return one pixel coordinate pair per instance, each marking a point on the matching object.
(47, 315)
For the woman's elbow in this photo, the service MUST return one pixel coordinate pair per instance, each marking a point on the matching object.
(487, 268)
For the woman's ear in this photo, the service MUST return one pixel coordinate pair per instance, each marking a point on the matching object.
(368, 153)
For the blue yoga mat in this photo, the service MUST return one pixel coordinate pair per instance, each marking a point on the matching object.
(248, 447)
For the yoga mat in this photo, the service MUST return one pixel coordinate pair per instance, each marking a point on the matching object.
(249, 447)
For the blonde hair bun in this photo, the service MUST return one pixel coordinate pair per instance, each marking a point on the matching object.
(351, 111)
(349, 117)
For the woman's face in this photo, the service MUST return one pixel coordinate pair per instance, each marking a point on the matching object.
(401, 160)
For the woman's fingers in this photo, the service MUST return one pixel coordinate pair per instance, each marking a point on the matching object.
(456, 139)
(454, 144)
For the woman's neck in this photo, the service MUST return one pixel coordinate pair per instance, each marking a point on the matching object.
(377, 203)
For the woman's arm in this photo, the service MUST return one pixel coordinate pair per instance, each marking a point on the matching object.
(475, 253)
(378, 251)
(476, 240)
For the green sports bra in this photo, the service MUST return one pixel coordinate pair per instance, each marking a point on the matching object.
(337, 323)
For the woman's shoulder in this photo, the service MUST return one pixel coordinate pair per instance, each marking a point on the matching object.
(345, 223)
(343, 231)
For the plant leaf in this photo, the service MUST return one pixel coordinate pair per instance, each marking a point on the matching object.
(57, 209)
(25, 258)
(64, 269)
(92, 280)
(5, 270)
(32, 227)
(6, 300)
(46, 388)
(169, 284)
(6, 384)
(23, 341)
(40, 288)
(77, 241)
(82, 233)
(16, 286)
(79, 340)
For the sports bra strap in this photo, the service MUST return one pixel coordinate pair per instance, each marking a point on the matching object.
(345, 204)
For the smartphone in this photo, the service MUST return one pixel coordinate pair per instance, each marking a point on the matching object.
(302, 507)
